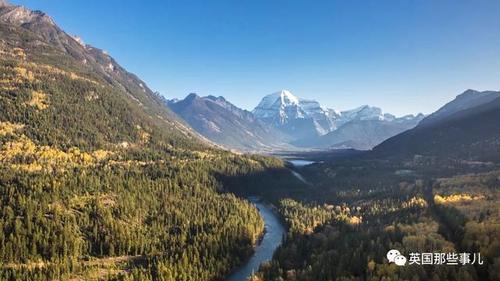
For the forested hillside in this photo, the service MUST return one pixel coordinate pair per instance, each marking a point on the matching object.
(66, 103)
(99, 181)
(346, 234)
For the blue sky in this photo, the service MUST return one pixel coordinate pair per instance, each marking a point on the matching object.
(405, 56)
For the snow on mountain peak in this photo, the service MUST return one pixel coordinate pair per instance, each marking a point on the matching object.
(283, 97)
(288, 98)
(284, 109)
(280, 107)
(364, 112)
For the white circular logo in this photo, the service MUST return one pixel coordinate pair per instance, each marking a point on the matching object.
(400, 260)
(392, 254)
(396, 257)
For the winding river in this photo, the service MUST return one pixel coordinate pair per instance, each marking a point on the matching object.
(273, 236)
(264, 251)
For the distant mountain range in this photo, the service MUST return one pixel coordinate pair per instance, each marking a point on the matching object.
(282, 121)
(226, 124)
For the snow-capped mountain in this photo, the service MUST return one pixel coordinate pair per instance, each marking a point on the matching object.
(284, 121)
(279, 107)
(311, 125)
(362, 132)
(365, 112)
(294, 115)
(223, 123)
(325, 119)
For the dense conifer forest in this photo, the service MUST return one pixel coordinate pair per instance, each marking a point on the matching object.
(100, 182)
(344, 227)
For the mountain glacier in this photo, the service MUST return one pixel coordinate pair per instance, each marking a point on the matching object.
(283, 121)
(310, 125)
(283, 109)
(279, 107)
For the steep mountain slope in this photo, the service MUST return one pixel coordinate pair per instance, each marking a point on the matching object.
(279, 107)
(470, 134)
(226, 124)
(466, 100)
(296, 117)
(35, 49)
(99, 180)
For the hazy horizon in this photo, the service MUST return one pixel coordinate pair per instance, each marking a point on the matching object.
(404, 57)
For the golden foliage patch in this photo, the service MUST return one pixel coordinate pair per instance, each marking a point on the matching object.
(23, 154)
(455, 198)
(7, 128)
(38, 100)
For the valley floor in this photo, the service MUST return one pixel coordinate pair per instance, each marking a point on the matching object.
(355, 212)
